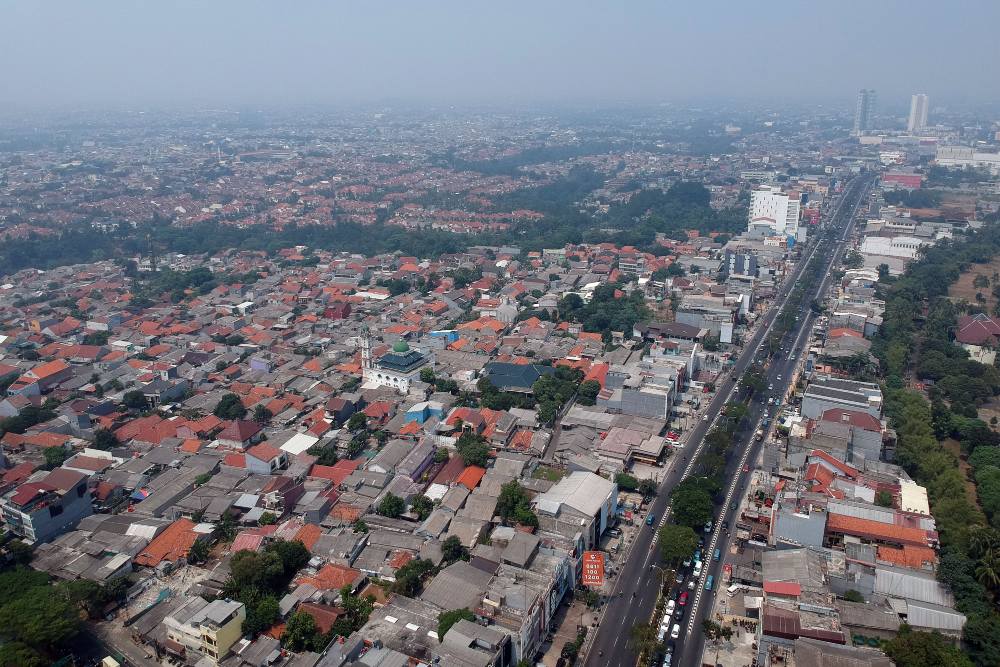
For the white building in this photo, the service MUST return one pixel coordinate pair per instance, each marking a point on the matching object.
(896, 252)
(966, 156)
(398, 368)
(918, 113)
(773, 212)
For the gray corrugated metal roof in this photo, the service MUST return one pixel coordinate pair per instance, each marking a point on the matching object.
(911, 585)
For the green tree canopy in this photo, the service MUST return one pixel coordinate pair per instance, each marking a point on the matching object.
(676, 543)
(230, 407)
(446, 619)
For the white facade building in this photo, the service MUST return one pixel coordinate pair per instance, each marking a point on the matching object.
(918, 113)
(773, 211)
(398, 368)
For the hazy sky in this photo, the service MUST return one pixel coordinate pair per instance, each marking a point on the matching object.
(110, 54)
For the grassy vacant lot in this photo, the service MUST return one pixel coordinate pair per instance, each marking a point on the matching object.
(964, 287)
(550, 474)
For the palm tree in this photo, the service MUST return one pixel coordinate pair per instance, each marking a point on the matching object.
(983, 540)
(988, 570)
(642, 638)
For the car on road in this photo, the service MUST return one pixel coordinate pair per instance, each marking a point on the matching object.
(671, 605)
(746, 468)
(683, 599)
(662, 634)
(668, 660)
(708, 526)
(676, 632)
(770, 387)
(697, 570)
(717, 555)
(704, 418)
(651, 519)
(779, 378)
(679, 577)
(671, 645)
(708, 582)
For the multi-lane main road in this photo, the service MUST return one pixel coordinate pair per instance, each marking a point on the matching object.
(636, 588)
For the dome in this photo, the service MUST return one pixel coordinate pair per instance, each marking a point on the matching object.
(401, 347)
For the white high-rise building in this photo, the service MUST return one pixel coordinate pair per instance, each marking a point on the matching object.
(918, 113)
(774, 212)
(863, 111)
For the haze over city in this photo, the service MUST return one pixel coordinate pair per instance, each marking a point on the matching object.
(137, 54)
(511, 334)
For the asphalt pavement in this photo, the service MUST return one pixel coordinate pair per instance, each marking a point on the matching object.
(637, 586)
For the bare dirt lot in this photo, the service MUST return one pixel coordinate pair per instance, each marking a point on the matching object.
(964, 288)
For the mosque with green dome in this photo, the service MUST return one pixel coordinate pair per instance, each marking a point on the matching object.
(398, 368)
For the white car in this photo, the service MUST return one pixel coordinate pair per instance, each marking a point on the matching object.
(676, 632)
(662, 634)
(692, 584)
(697, 569)
(671, 605)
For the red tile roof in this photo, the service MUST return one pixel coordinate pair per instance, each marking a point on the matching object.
(471, 477)
(787, 588)
(172, 544)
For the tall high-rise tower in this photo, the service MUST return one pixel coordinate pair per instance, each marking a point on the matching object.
(863, 111)
(918, 113)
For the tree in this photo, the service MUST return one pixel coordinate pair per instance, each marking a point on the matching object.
(453, 550)
(473, 449)
(104, 439)
(514, 503)
(441, 455)
(301, 633)
(230, 407)
(391, 506)
(692, 502)
(626, 482)
(710, 343)
(642, 638)
(261, 616)
(854, 596)
(713, 631)
(40, 619)
(883, 499)
(20, 552)
(446, 619)
(427, 375)
(422, 506)
(916, 649)
(267, 519)
(55, 456)
(225, 528)
(134, 400)
(676, 543)
(357, 422)
(587, 394)
(198, 552)
(326, 455)
(410, 577)
(261, 414)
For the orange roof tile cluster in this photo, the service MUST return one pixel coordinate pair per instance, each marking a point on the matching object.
(332, 577)
(170, 545)
(911, 556)
(876, 530)
(471, 477)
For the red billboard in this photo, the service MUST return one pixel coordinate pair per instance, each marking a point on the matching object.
(593, 569)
